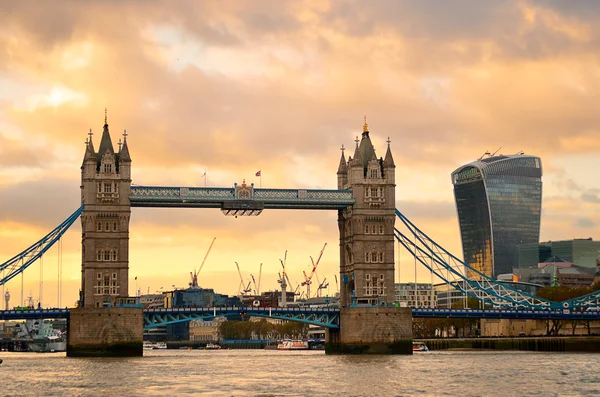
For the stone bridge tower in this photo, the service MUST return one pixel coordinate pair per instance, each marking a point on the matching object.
(105, 188)
(367, 228)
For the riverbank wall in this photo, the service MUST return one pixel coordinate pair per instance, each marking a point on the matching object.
(542, 344)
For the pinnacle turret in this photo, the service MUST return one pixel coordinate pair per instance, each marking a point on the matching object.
(389, 160)
(124, 152)
(343, 167)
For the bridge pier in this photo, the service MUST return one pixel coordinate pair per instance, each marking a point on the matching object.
(105, 332)
(371, 330)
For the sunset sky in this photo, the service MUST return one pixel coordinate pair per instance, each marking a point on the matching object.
(234, 87)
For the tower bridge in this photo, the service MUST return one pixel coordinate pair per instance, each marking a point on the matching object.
(365, 202)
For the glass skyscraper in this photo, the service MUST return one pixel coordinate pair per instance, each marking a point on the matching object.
(499, 202)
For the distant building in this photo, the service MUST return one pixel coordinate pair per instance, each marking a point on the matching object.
(532, 254)
(207, 331)
(567, 274)
(415, 295)
(190, 297)
(152, 301)
(498, 200)
(580, 251)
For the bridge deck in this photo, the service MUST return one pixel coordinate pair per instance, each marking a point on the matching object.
(210, 197)
(592, 315)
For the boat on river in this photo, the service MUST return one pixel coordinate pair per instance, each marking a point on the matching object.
(289, 344)
(154, 346)
(212, 346)
(420, 347)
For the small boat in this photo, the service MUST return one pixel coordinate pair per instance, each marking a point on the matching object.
(292, 345)
(420, 347)
(212, 346)
(159, 345)
(148, 345)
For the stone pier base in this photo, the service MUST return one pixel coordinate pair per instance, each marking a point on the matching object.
(105, 332)
(371, 330)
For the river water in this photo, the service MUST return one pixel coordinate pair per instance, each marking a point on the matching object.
(303, 373)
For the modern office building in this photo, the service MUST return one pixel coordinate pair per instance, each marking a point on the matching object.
(582, 252)
(532, 254)
(499, 201)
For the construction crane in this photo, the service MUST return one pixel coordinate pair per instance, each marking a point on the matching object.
(241, 287)
(247, 289)
(194, 276)
(283, 280)
(255, 287)
(259, 276)
(323, 285)
(308, 279)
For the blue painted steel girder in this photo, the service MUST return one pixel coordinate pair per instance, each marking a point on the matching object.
(33, 314)
(507, 314)
(325, 317)
(198, 197)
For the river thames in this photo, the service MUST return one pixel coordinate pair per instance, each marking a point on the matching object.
(305, 373)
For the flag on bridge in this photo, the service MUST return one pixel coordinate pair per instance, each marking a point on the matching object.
(258, 173)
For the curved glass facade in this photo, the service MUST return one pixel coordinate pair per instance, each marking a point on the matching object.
(499, 201)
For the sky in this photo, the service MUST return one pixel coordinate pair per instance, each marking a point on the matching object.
(234, 87)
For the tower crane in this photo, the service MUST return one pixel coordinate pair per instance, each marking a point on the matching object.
(259, 276)
(323, 285)
(194, 276)
(308, 279)
(255, 287)
(241, 288)
(283, 280)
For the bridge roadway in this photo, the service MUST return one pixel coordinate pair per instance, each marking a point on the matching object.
(322, 316)
(230, 198)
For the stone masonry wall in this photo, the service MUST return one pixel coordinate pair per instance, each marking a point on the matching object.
(105, 332)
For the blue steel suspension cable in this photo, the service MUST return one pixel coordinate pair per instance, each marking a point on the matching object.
(12, 267)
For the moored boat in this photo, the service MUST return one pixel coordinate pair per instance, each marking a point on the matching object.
(420, 347)
(288, 344)
(212, 346)
(159, 345)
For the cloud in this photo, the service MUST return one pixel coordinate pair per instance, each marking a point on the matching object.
(234, 87)
(585, 223)
(45, 203)
(591, 196)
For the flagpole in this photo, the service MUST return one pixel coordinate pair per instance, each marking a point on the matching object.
(205, 177)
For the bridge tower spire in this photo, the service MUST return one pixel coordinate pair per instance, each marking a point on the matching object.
(105, 187)
(367, 228)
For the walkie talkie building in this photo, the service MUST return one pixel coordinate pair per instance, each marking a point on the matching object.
(499, 202)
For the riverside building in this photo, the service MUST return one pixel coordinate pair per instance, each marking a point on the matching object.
(499, 201)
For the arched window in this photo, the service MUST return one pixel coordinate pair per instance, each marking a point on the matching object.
(115, 226)
(99, 255)
(99, 228)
